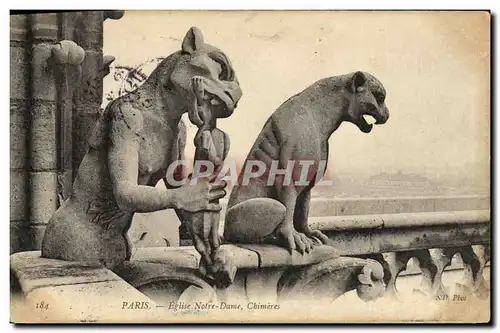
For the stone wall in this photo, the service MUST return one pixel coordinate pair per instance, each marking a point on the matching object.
(51, 113)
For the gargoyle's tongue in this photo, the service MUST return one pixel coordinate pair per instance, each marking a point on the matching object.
(215, 102)
(370, 120)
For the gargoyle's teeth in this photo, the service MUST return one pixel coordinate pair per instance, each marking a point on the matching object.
(369, 119)
(214, 101)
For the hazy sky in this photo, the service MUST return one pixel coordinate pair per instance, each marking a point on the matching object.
(435, 67)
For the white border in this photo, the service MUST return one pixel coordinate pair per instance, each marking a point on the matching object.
(190, 5)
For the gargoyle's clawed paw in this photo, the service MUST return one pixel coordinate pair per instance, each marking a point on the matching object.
(294, 240)
(305, 244)
(318, 235)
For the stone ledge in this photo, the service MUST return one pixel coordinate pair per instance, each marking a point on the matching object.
(72, 291)
(33, 272)
(400, 220)
(243, 255)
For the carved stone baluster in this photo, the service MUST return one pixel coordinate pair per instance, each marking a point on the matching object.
(432, 264)
(396, 263)
(484, 255)
(474, 260)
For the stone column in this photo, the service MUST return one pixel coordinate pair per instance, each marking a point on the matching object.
(88, 33)
(66, 86)
(42, 128)
(18, 130)
(88, 97)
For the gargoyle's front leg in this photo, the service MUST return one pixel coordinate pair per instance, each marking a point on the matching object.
(286, 232)
(300, 218)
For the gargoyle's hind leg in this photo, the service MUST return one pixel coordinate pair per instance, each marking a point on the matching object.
(253, 220)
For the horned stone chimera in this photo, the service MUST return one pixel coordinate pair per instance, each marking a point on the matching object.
(134, 141)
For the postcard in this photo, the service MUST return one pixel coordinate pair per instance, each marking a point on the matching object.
(250, 166)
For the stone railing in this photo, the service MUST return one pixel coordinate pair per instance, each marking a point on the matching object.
(371, 252)
(432, 238)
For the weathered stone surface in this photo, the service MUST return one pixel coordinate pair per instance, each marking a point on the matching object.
(346, 222)
(18, 134)
(33, 271)
(188, 257)
(25, 236)
(83, 124)
(60, 286)
(43, 84)
(43, 195)
(89, 92)
(18, 190)
(87, 100)
(19, 70)
(327, 280)
(43, 27)
(405, 220)
(89, 30)
(43, 138)
(185, 256)
(273, 256)
(436, 218)
(260, 285)
(370, 241)
(18, 27)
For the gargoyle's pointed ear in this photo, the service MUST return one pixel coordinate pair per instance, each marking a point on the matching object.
(193, 40)
(357, 82)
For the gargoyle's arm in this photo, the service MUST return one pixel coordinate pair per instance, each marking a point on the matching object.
(181, 174)
(123, 163)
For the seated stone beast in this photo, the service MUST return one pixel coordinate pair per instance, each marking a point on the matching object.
(133, 144)
(277, 210)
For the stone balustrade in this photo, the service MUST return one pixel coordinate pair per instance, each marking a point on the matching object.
(371, 252)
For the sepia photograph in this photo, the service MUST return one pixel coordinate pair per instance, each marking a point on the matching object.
(250, 166)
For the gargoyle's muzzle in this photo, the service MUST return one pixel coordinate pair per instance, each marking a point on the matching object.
(381, 115)
(227, 94)
(222, 96)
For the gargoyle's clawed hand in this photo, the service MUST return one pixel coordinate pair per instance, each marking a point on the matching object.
(200, 196)
(293, 240)
(199, 89)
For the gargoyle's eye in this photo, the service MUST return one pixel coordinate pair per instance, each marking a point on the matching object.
(226, 73)
(380, 97)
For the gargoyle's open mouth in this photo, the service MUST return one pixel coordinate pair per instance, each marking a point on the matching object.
(219, 99)
(367, 120)
(221, 106)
